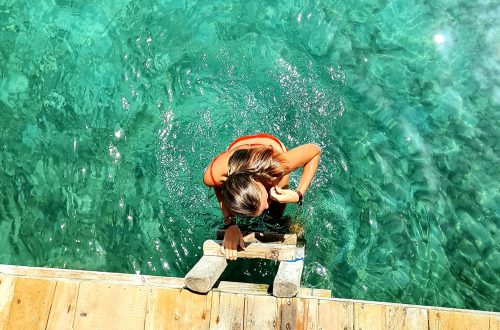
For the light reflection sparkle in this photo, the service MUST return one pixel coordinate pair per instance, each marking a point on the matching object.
(439, 38)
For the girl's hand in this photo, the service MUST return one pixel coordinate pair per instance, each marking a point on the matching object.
(284, 195)
(232, 240)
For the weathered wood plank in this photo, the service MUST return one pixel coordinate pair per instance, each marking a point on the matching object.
(320, 293)
(7, 285)
(440, 319)
(308, 308)
(108, 278)
(110, 306)
(228, 310)
(31, 303)
(407, 318)
(254, 250)
(240, 287)
(288, 312)
(494, 322)
(298, 313)
(263, 289)
(202, 277)
(369, 316)
(62, 312)
(177, 309)
(287, 280)
(335, 315)
(262, 312)
(43, 293)
(263, 237)
(384, 316)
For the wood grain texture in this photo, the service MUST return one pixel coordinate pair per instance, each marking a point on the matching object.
(262, 312)
(321, 293)
(313, 292)
(307, 310)
(298, 313)
(383, 316)
(495, 322)
(55, 273)
(335, 315)
(406, 318)
(202, 277)
(106, 306)
(441, 319)
(254, 250)
(31, 303)
(7, 285)
(263, 289)
(263, 237)
(228, 310)
(240, 287)
(287, 280)
(177, 309)
(44, 299)
(62, 312)
(369, 316)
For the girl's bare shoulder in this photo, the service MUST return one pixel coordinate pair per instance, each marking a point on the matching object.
(216, 170)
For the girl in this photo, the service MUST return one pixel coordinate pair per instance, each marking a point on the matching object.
(252, 176)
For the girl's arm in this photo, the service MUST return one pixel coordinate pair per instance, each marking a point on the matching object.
(306, 156)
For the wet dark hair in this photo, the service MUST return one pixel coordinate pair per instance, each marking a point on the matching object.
(240, 192)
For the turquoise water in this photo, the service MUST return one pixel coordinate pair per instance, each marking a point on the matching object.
(110, 113)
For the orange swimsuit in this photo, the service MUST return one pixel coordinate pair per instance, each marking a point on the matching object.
(246, 137)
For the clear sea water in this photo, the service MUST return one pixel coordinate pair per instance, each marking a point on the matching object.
(110, 111)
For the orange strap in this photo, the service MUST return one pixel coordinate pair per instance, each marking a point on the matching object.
(260, 135)
(242, 138)
(212, 174)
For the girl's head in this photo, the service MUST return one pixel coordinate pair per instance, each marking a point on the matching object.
(243, 196)
(264, 164)
(250, 171)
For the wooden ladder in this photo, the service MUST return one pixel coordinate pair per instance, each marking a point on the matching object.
(265, 245)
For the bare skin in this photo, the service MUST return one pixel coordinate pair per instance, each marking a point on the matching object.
(305, 156)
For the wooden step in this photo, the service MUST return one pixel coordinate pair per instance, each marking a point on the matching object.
(270, 251)
(263, 237)
(202, 277)
(287, 281)
(266, 289)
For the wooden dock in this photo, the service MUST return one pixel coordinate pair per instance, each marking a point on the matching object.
(43, 298)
